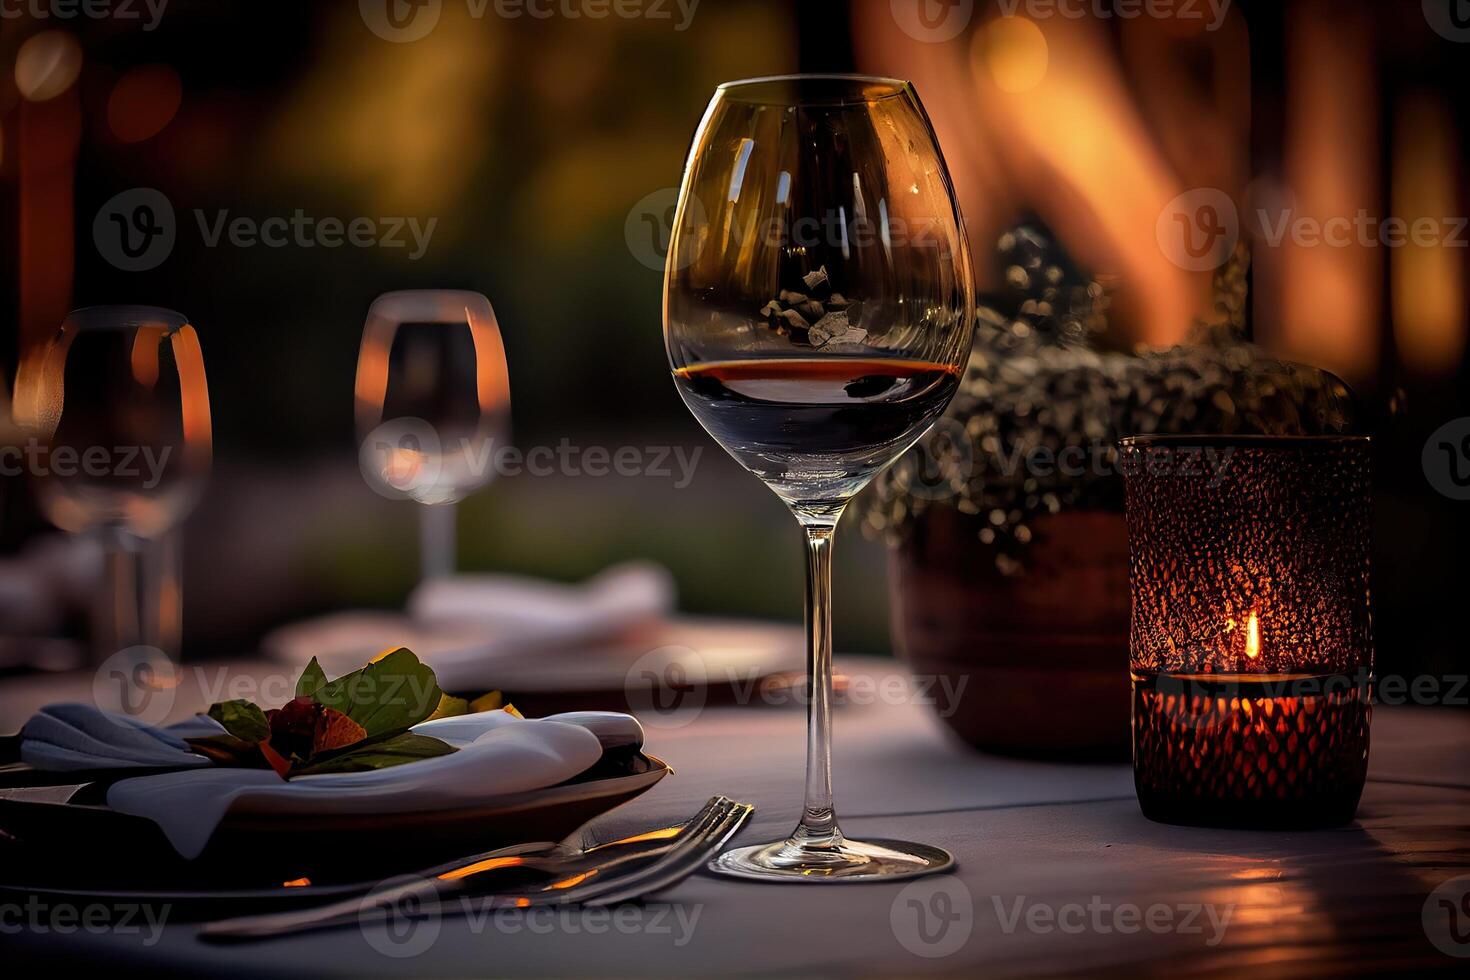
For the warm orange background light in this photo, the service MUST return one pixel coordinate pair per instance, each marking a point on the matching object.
(1428, 279)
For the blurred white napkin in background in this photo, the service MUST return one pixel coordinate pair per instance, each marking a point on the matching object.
(549, 613)
(475, 619)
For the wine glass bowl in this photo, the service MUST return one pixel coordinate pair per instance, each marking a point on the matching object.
(818, 313)
(818, 298)
(121, 391)
(432, 399)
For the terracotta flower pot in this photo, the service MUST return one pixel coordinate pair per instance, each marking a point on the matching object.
(1043, 656)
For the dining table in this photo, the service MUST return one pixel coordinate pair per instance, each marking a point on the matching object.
(1057, 869)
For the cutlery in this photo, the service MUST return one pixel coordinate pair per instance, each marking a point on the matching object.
(613, 872)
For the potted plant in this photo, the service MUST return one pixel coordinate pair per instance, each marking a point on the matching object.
(1009, 556)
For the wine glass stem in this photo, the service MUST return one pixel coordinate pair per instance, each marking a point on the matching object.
(818, 828)
(123, 615)
(160, 593)
(436, 540)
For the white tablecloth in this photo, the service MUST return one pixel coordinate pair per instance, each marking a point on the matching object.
(1058, 872)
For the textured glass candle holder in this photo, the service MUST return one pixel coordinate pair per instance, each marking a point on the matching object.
(1251, 639)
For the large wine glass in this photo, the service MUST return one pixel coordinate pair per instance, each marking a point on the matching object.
(432, 398)
(818, 306)
(118, 406)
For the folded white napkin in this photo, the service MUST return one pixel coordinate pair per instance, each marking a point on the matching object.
(65, 737)
(498, 754)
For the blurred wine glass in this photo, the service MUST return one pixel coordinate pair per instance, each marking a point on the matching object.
(432, 401)
(818, 308)
(117, 409)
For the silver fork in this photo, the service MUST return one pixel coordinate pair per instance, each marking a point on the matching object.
(584, 877)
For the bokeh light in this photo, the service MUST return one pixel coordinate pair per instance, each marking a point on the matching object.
(143, 102)
(47, 64)
(1015, 52)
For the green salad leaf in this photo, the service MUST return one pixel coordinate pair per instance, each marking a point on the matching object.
(392, 693)
(241, 719)
(311, 680)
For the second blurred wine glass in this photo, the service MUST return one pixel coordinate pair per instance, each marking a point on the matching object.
(432, 399)
(118, 406)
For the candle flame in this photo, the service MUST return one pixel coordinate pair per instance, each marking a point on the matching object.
(1252, 638)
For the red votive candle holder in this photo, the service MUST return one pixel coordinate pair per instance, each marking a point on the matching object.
(1251, 646)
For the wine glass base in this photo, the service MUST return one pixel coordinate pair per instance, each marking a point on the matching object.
(852, 861)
